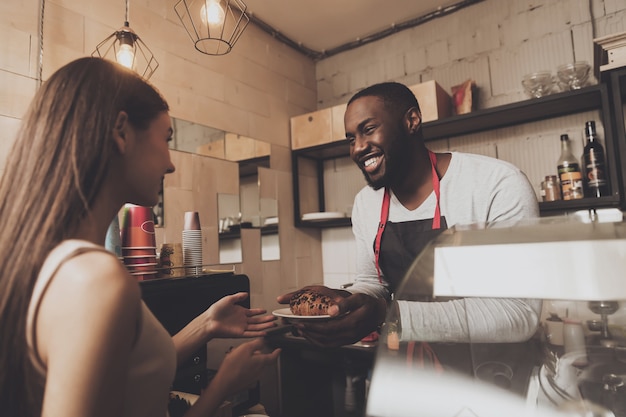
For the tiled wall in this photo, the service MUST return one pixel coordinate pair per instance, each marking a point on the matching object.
(493, 42)
(253, 91)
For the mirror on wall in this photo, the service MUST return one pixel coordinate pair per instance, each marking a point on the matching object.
(229, 213)
(234, 212)
(261, 213)
(270, 247)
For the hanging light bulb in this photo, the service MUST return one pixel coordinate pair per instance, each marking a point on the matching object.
(125, 47)
(212, 13)
(125, 54)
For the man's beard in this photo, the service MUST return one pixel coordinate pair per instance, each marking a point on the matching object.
(394, 163)
(375, 184)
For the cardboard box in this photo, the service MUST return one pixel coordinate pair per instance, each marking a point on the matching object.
(609, 53)
(434, 102)
(318, 127)
(310, 129)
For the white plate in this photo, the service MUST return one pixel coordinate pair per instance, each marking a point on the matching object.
(286, 313)
(271, 220)
(323, 215)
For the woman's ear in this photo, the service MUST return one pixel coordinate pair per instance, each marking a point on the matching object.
(414, 119)
(121, 132)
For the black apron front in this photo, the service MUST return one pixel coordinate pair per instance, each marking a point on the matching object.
(401, 243)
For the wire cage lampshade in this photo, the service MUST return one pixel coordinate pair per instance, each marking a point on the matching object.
(214, 26)
(126, 47)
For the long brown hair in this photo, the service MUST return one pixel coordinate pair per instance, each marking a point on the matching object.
(53, 174)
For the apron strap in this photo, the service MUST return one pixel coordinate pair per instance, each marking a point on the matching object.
(436, 189)
(384, 215)
(423, 349)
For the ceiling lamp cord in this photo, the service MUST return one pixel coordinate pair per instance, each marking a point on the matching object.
(126, 47)
(42, 5)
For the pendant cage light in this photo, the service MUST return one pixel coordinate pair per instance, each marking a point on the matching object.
(126, 47)
(214, 26)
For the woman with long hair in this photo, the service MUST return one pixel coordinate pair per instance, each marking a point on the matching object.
(75, 337)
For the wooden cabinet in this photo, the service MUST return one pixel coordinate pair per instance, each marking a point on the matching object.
(607, 97)
(311, 129)
(318, 127)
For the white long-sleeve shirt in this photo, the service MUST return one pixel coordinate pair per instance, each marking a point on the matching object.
(474, 189)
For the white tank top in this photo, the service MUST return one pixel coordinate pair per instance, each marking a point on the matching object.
(153, 358)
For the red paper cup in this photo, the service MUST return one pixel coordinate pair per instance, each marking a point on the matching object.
(141, 260)
(147, 268)
(137, 229)
(142, 253)
(192, 221)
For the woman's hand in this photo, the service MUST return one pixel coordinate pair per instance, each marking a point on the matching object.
(242, 367)
(225, 318)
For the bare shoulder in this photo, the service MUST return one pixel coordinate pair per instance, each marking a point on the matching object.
(96, 268)
(92, 282)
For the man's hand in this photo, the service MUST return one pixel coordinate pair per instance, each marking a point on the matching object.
(354, 317)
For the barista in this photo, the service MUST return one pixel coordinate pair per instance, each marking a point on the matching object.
(412, 195)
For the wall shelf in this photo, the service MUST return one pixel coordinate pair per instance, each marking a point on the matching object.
(235, 233)
(527, 111)
(596, 97)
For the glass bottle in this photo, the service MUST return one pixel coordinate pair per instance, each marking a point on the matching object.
(550, 188)
(569, 172)
(595, 181)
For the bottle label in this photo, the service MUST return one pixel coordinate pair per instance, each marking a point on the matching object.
(594, 168)
(571, 184)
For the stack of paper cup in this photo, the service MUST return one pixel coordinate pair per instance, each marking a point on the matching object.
(139, 242)
(192, 243)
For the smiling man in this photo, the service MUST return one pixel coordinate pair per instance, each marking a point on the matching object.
(413, 195)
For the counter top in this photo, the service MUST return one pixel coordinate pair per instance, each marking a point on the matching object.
(283, 337)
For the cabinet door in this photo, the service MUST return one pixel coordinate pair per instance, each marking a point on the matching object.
(311, 129)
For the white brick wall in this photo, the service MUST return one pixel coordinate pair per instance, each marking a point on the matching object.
(495, 42)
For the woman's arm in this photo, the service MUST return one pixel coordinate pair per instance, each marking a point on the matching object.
(86, 327)
(224, 318)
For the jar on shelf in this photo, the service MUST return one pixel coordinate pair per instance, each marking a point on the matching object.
(550, 188)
